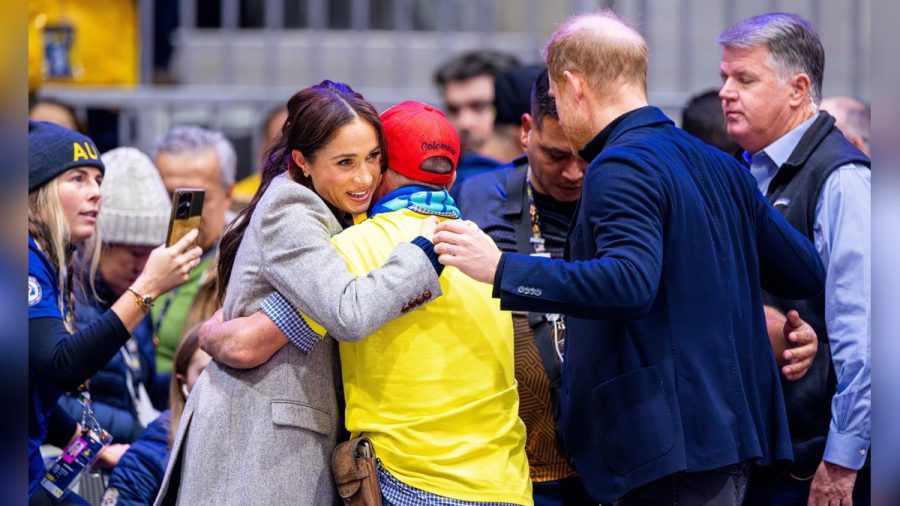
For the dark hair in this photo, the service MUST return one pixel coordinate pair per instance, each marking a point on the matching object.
(703, 118)
(314, 115)
(542, 104)
(472, 64)
(33, 102)
(437, 165)
(187, 346)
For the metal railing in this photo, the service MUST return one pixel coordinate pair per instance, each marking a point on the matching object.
(261, 51)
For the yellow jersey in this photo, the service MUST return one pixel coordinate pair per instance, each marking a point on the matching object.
(435, 389)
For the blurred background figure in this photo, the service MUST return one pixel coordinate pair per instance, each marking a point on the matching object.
(55, 111)
(852, 117)
(137, 478)
(466, 83)
(270, 128)
(702, 117)
(193, 157)
(512, 99)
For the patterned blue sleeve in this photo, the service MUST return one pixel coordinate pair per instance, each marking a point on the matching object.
(290, 322)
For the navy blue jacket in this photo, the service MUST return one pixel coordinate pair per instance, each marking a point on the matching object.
(138, 475)
(667, 364)
(472, 164)
(112, 403)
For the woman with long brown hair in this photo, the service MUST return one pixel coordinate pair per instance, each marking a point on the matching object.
(265, 435)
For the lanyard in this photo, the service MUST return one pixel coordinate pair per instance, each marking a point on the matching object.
(556, 321)
(537, 240)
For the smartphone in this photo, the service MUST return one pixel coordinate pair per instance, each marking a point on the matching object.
(187, 206)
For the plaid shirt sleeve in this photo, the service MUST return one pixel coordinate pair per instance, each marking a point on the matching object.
(290, 322)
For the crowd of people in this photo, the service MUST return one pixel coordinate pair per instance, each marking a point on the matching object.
(539, 292)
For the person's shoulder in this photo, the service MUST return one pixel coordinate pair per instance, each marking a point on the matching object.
(487, 185)
(382, 225)
(42, 284)
(288, 201)
(283, 189)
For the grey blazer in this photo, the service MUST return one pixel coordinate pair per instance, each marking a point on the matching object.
(265, 435)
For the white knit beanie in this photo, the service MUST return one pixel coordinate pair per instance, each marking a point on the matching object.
(135, 207)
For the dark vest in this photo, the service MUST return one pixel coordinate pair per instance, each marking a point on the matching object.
(794, 192)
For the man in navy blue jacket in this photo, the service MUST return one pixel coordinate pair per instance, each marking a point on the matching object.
(670, 386)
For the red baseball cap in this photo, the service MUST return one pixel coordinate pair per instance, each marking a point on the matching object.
(415, 131)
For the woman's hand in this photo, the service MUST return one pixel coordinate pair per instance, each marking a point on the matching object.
(168, 267)
(111, 455)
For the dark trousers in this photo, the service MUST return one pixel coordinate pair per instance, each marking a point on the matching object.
(787, 491)
(568, 492)
(724, 486)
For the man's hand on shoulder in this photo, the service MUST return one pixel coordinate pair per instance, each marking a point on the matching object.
(463, 245)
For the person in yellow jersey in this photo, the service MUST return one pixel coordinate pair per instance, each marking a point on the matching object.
(435, 389)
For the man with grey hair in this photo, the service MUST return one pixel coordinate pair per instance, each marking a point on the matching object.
(669, 387)
(772, 67)
(194, 157)
(852, 117)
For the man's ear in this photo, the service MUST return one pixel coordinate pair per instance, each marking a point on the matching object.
(527, 125)
(452, 180)
(576, 83)
(800, 90)
(297, 156)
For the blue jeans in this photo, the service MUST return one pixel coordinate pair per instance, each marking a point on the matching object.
(568, 492)
(724, 486)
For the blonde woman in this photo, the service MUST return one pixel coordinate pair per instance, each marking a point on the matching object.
(64, 176)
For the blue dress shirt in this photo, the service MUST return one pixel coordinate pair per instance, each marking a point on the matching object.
(842, 236)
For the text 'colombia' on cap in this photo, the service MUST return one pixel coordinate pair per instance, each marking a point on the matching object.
(415, 131)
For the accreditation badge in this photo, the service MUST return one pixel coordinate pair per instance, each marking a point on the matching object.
(78, 455)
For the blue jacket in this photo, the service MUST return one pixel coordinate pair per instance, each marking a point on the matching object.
(472, 164)
(112, 403)
(138, 475)
(667, 364)
(42, 394)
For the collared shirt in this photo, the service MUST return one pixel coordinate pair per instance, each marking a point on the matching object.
(396, 493)
(842, 236)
